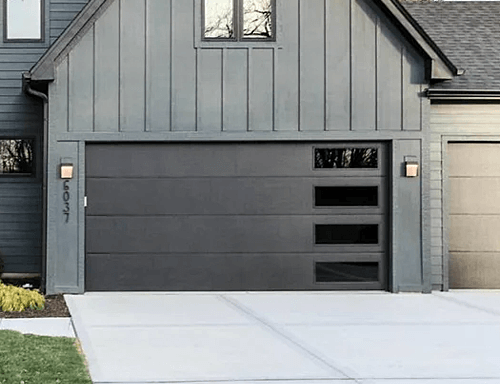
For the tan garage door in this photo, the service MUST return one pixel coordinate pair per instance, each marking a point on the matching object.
(474, 239)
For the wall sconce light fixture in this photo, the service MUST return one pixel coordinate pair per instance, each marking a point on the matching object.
(412, 166)
(66, 171)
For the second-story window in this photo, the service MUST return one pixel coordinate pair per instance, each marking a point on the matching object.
(236, 20)
(23, 20)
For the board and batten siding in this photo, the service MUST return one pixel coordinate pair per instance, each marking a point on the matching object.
(452, 122)
(337, 65)
(22, 117)
(139, 71)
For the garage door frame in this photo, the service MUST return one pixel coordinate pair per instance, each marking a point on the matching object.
(446, 141)
(386, 241)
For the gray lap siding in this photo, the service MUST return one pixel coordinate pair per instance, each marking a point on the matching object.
(22, 117)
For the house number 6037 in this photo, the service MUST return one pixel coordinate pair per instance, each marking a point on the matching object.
(66, 197)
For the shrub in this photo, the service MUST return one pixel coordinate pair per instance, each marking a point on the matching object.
(18, 299)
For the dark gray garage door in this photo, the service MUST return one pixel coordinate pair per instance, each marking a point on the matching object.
(236, 216)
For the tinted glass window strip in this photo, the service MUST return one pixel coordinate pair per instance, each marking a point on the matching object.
(346, 234)
(340, 272)
(345, 196)
(16, 157)
(329, 158)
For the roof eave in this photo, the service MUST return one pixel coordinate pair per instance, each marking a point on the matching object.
(441, 67)
(44, 70)
(463, 94)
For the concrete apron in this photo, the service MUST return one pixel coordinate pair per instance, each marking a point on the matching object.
(285, 338)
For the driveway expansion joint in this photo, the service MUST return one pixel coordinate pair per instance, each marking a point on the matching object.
(284, 335)
(467, 305)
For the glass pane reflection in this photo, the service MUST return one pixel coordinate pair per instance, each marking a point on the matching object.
(345, 158)
(346, 234)
(345, 196)
(346, 272)
(16, 156)
(24, 19)
(257, 19)
(219, 19)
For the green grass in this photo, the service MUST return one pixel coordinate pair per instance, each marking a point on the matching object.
(30, 359)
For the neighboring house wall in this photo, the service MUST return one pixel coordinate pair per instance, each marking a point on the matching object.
(22, 117)
(452, 122)
(141, 73)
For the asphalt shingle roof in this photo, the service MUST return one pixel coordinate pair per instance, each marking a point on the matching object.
(468, 33)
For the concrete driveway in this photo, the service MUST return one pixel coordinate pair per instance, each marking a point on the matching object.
(285, 338)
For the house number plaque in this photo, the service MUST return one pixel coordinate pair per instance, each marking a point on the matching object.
(66, 198)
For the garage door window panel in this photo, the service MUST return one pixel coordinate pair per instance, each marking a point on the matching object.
(334, 234)
(346, 158)
(343, 272)
(345, 196)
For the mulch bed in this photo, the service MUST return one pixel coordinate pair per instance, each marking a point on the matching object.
(55, 306)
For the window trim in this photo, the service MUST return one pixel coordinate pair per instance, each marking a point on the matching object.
(14, 40)
(33, 173)
(238, 23)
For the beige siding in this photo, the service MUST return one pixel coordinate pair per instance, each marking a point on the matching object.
(474, 122)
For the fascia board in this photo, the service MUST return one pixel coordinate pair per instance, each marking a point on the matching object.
(441, 67)
(43, 70)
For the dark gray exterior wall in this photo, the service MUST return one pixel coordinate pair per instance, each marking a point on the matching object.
(340, 73)
(22, 117)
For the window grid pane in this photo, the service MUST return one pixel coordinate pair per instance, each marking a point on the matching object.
(257, 19)
(24, 19)
(219, 19)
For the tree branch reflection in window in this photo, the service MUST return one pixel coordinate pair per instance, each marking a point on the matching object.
(16, 156)
(219, 19)
(257, 19)
(238, 19)
(345, 158)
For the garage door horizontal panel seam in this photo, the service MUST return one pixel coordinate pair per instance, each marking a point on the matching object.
(235, 215)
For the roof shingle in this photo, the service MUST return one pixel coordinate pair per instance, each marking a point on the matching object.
(468, 33)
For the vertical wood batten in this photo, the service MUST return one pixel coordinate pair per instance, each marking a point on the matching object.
(413, 78)
(261, 98)
(337, 47)
(81, 89)
(132, 68)
(364, 29)
(183, 67)
(209, 90)
(106, 93)
(389, 80)
(58, 106)
(158, 46)
(235, 82)
(312, 65)
(287, 69)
